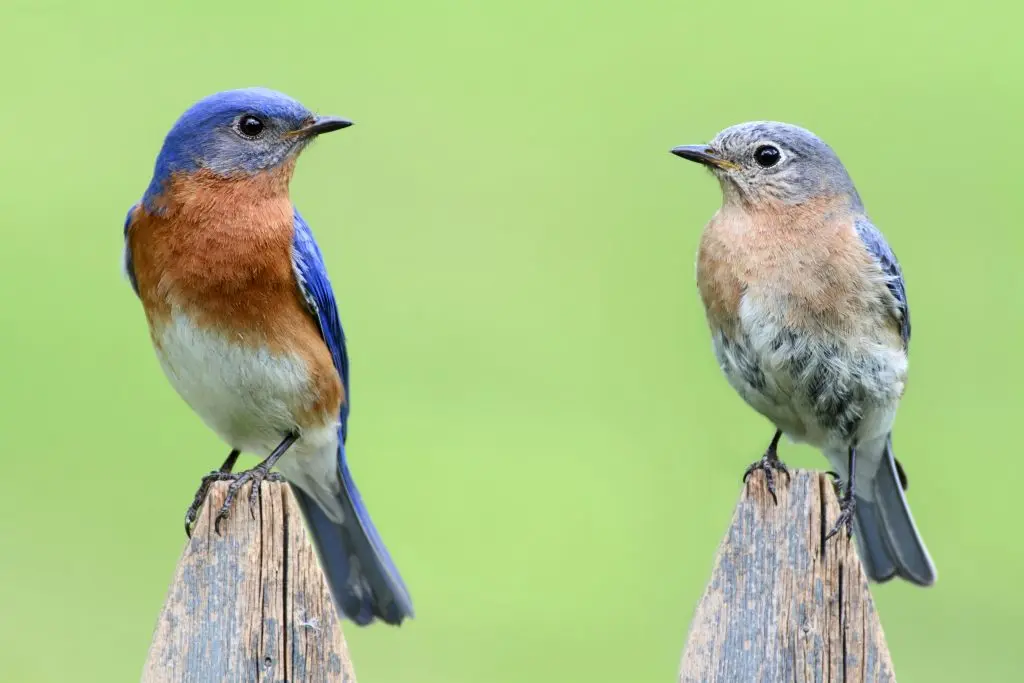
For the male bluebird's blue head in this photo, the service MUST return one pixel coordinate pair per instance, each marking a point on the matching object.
(238, 133)
(766, 160)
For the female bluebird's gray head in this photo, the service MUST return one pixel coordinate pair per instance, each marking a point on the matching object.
(239, 133)
(766, 160)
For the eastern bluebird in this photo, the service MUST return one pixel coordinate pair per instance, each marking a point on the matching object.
(809, 322)
(246, 328)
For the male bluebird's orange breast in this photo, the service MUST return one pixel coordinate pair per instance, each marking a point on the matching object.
(804, 263)
(220, 253)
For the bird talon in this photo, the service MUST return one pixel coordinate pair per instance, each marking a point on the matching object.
(769, 464)
(197, 502)
(838, 485)
(846, 509)
(254, 498)
(229, 499)
(255, 477)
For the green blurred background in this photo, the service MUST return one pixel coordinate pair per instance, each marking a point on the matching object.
(539, 426)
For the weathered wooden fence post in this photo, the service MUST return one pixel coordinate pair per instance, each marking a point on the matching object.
(249, 604)
(780, 606)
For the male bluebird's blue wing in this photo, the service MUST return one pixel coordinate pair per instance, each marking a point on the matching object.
(363, 579)
(316, 288)
(876, 245)
(126, 257)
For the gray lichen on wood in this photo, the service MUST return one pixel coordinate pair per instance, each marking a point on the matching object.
(249, 604)
(780, 609)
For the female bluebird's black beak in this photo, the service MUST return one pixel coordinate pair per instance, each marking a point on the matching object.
(323, 124)
(703, 154)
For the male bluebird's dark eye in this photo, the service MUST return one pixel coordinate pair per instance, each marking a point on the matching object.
(767, 155)
(250, 126)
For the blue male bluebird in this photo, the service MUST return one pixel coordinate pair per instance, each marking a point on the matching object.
(809, 322)
(246, 328)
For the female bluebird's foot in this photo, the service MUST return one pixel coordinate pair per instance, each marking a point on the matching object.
(837, 483)
(257, 475)
(222, 474)
(848, 504)
(768, 464)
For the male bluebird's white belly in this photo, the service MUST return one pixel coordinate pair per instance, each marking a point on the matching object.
(250, 396)
(829, 388)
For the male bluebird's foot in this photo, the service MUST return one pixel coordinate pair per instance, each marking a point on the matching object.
(222, 474)
(257, 475)
(768, 464)
(848, 504)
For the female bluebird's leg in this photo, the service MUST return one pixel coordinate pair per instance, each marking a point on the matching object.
(257, 475)
(847, 504)
(219, 475)
(768, 463)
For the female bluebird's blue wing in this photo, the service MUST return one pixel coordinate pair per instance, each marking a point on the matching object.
(316, 288)
(126, 257)
(876, 245)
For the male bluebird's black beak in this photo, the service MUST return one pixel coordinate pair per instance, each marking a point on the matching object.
(323, 124)
(703, 154)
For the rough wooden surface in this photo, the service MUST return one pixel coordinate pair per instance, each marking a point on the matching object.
(249, 604)
(777, 607)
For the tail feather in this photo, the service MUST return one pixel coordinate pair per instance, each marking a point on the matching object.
(363, 580)
(886, 535)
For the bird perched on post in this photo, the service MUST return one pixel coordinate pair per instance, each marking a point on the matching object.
(246, 327)
(809, 322)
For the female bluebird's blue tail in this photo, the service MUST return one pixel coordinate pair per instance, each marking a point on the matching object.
(363, 580)
(886, 536)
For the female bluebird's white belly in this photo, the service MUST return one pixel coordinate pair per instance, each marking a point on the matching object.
(247, 394)
(829, 388)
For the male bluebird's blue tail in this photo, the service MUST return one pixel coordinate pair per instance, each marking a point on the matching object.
(886, 536)
(363, 580)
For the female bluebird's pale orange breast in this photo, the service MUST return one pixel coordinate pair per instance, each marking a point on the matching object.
(803, 262)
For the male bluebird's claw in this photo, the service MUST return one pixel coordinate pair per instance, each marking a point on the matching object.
(768, 464)
(257, 475)
(197, 502)
(222, 474)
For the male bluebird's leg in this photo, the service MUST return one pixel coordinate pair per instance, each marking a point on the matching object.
(222, 474)
(256, 475)
(768, 463)
(847, 504)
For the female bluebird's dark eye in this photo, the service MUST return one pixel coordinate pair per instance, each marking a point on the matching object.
(250, 126)
(767, 155)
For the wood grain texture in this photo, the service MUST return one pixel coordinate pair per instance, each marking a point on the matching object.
(250, 604)
(778, 608)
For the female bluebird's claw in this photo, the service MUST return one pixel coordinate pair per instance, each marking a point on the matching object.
(847, 506)
(768, 464)
(837, 483)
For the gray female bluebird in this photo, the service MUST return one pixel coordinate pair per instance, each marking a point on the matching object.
(809, 322)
